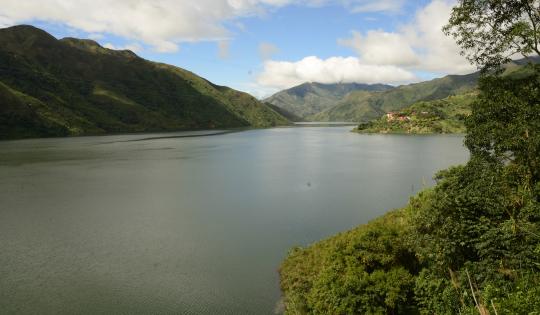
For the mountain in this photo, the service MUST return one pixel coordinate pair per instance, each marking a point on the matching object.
(51, 87)
(311, 98)
(362, 106)
(285, 113)
(445, 115)
(455, 247)
(425, 117)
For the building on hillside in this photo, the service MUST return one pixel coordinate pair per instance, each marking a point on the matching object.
(392, 116)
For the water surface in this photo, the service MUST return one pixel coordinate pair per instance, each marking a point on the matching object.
(163, 223)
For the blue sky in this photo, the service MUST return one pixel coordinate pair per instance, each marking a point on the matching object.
(262, 46)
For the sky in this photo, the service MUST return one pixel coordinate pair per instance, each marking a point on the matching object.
(263, 46)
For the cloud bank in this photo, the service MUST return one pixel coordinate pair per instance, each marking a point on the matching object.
(382, 57)
(420, 45)
(282, 74)
(161, 24)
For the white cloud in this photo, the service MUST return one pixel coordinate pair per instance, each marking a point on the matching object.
(383, 57)
(161, 24)
(382, 48)
(267, 50)
(438, 52)
(378, 6)
(420, 45)
(5, 21)
(283, 74)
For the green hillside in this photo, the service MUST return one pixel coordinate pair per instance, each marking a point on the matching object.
(51, 87)
(362, 106)
(469, 245)
(439, 116)
(311, 98)
(285, 113)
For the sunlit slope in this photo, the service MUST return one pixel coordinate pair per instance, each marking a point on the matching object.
(426, 117)
(362, 106)
(89, 89)
(311, 98)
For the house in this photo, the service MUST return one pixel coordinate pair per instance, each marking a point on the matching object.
(391, 116)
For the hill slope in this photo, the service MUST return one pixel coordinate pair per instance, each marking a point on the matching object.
(311, 98)
(51, 87)
(424, 117)
(361, 106)
(469, 245)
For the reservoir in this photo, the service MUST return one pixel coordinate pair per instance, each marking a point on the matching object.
(190, 222)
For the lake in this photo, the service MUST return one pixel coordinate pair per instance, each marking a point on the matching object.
(187, 223)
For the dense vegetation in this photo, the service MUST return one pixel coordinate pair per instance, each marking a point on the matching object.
(362, 106)
(51, 87)
(426, 117)
(470, 245)
(311, 98)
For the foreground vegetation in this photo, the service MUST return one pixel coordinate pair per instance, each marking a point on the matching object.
(51, 87)
(470, 245)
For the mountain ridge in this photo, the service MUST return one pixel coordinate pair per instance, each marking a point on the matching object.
(312, 97)
(60, 87)
(362, 106)
(365, 104)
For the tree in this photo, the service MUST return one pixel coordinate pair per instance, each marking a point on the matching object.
(490, 32)
(505, 124)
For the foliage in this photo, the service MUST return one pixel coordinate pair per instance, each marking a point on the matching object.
(491, 31)
(472, 243)
(78, 87)
(475, 236)
(439, 116)
(25, 116)
(506, 122)
(369, 270)
(479, 221)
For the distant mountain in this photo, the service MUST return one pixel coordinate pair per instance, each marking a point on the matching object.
(285, 113)
(425, 117)
(446, 115)
(311, 98)
(51, 87)
(362, 106)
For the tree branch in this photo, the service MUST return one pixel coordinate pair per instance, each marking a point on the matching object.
(529, 11)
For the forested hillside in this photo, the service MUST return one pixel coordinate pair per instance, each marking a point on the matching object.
(426, 117)
(471, 244)
(51, 87)
(364, 106)
(311, 98)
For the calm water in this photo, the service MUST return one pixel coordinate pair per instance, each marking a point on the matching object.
(192, 225)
